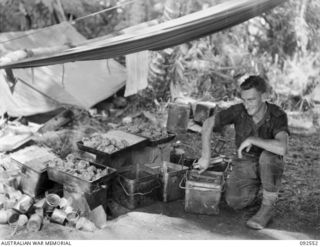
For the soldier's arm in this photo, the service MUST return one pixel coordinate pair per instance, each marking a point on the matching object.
(206, 147)
(278, 145)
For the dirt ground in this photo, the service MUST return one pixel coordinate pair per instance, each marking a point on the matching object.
(169, 221)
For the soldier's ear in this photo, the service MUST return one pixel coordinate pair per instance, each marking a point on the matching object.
(264, 96)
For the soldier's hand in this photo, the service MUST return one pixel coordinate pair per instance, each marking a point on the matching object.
(246, 144)
(203, 164)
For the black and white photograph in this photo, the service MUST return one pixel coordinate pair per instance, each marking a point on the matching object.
(159, 120)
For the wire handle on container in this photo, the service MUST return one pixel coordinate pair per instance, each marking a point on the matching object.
(180, 162)
(138, 193)
(184, 178)
(203, 188)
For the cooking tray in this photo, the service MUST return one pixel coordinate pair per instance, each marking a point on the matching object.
(133, 140)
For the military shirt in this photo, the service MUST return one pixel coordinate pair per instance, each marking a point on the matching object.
(274, 121)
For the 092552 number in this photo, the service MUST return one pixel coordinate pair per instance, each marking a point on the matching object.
(309, 243)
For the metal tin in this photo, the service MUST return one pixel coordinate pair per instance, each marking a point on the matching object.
(58, 216)
(68, 209)
(9, 203)
(16, 195)
(5, 214)
(23, 204)
(73, 218)
(136, 187)
(22, 221)
(203, 192)
(171, 175)
(63, 203)
(13, 220)
(34, 223)
(52, 201)
(178, 118)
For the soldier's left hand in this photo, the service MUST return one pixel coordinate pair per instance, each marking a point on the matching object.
(246, 144)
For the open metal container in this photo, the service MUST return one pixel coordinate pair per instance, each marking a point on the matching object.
(203, 191)
(133, 140)
(78, 184)
(34, 179)
(85, 195)
(135, 186)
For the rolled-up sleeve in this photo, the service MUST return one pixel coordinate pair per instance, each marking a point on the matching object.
(281, 124)
(225, 117)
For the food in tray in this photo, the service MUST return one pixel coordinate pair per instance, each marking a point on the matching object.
(78, 168)
(104, 144)
(154, 134)
(146, 129)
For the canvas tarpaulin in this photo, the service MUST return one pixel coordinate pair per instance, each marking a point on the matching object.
(160, 36)
(137, 64)
(41, 89)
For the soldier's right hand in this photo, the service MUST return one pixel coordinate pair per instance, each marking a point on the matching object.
(203, 164)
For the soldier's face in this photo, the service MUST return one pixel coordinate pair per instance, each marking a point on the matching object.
(252, 100)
